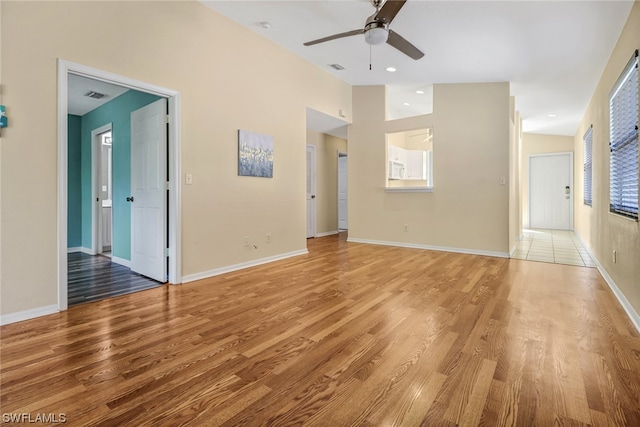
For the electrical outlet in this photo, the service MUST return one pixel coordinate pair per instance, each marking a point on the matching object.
(245, 239)
(406, 227)
(188, 178)
(268, 238)
(615, 256)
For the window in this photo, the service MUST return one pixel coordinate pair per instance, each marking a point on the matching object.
(623, 110)
(588, 166)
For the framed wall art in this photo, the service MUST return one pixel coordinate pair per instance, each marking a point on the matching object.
(255, 154)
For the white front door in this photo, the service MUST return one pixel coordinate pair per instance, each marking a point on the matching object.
(148, 178)
(311, 191)
(342, 191)
(550, 191)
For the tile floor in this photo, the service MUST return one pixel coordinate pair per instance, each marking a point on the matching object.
(554, 246)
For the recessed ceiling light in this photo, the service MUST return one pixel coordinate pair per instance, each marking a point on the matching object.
(420, 92)
(551, 115)
(265, 25)
(390, 69)
(406, 104)
(336, 67)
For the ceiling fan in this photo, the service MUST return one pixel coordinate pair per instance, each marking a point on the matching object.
(376, 29)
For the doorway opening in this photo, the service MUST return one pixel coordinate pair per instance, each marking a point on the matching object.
(343, 224)
(102, 240)
(102, 180)
(105, 184)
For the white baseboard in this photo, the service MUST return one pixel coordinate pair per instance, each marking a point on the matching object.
(5, 319)
(121, 261)
(431, 248)
(512, 251)
(327, 233)
(74, 249)
(622, 299)
(87, 251)
(242, 265)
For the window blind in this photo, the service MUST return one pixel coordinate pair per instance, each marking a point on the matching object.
(623, 110)
(588, 166)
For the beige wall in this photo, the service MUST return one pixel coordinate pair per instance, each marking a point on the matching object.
(327, 148)
(533, 143)
(468, 208)
(603, 231)
(1, 102)
(229, 78)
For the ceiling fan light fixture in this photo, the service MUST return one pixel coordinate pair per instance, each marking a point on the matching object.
(376, 29)
(376, 35)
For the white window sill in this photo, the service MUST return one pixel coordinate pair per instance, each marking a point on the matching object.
(409, 189)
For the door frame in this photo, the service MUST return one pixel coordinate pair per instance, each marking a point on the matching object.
(174, 143)
(96, 168)
(564, 153)
(313, 190)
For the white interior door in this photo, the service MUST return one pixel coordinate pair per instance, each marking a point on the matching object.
(551, 191)
(148, 178)
(311, 191)
(342, 191)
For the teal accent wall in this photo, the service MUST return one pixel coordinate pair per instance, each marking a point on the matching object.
(118, 113)
(74, 182)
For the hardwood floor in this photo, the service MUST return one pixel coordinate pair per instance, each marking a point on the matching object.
(92, 278)
(350, 334)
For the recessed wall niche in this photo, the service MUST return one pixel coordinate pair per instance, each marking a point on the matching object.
(408, 101)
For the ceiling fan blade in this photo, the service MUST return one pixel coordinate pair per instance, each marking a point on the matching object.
(389, 10)
(400, 43)
(335, 36)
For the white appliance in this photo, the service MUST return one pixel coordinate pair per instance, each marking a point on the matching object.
(396, 170)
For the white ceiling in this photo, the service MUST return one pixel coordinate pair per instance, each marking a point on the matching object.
(552, 52)
(79, 104)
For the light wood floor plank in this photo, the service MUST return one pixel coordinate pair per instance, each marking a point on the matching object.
(349, 334)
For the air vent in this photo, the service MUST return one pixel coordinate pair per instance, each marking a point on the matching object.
(336, 67)
(95, 95)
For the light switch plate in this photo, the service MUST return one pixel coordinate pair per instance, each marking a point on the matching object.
(189, 179)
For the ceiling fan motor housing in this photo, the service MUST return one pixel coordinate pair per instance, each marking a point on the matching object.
(376, 32)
